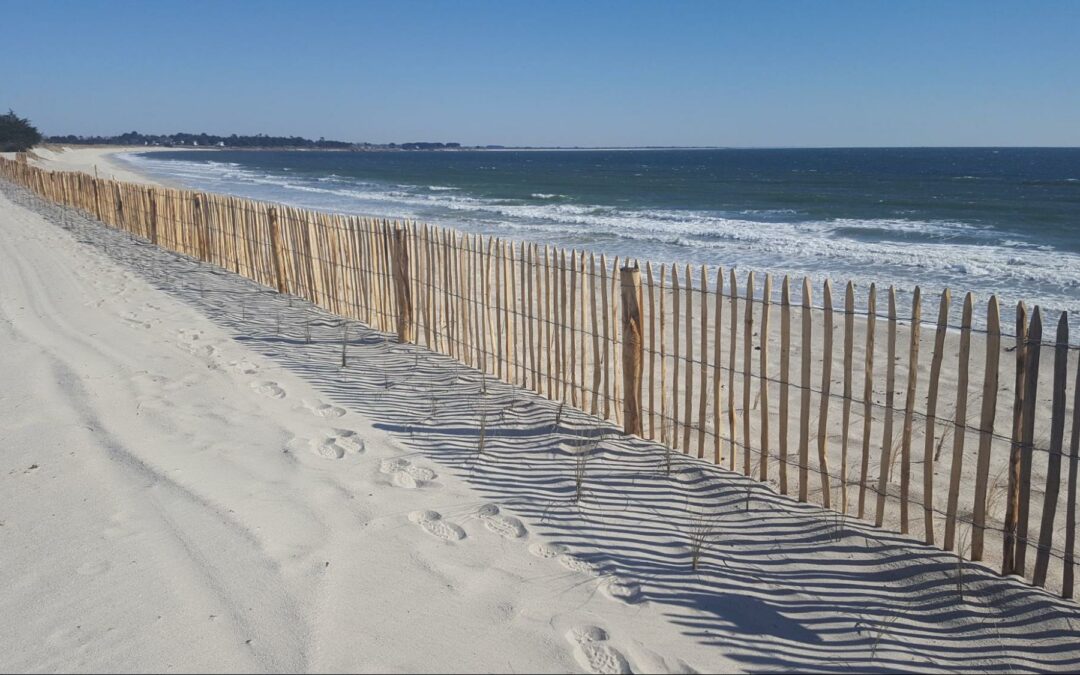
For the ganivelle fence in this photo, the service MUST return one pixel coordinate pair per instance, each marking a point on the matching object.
(954, 433)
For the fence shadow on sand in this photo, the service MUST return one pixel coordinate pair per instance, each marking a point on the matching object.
(778, 585)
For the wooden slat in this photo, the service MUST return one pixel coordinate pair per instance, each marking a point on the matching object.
(748, 345)
(931, 417)
(806, 384)
(785, 372)
(1027, 439)
(593, 300)
(718, 323)
(703, 354)
(652, 348)
(986, 426)
(890, 398)
(616, 344)
(1012, 495)
(546, 319)
(763, 376)
(633, 343)
(1069, 570)
(959, 423)
(663, 359)
(909, 407)
(583, 354)
(529, 286)
(564, 347)
(868, 396)
(1053, 460)
(826, 386)
(845, 415)
(500, 313)
(732, 342)
(676, 327)
(688, 386)
(572, 369)
(516, 348)
(606, 338)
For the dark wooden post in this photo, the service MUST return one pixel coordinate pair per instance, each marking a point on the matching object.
(633, 348)
(275, 241)
(406, 327)
(153, 217)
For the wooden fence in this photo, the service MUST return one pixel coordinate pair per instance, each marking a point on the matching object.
(953, 433)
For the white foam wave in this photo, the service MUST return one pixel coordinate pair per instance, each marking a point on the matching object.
(906, 251)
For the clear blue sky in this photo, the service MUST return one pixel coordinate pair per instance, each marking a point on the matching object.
(864, 73)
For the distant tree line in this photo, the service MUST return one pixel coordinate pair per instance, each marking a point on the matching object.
(236, 141)
(201, 140)
(16, 133)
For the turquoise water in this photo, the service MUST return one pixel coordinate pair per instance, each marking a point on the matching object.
(985, 220)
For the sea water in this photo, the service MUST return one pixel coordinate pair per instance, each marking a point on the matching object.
(986, 220)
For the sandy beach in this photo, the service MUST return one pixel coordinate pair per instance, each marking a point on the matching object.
(196, 483)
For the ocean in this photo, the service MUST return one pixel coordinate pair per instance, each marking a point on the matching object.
(986, 220)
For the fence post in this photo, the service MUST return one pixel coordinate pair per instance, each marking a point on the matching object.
(633, 348)
(153, 217)
(97, 198)
(275, 240)
(403, 289)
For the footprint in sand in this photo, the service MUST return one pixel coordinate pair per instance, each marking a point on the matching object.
(324, 410)
(594, 653)
(337, 444)
(432, 522)
(244, 367)
(623, 591)
(348, 440)
(572, 562)
(269, 389)
(193, 342)
(547, 551)
(502, 525)
(404, 474)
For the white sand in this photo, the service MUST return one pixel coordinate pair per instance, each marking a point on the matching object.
(91, 159)
(192, 484)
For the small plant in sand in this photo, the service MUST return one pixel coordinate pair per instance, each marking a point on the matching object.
(433, 408)
(583, 454)
(481, 441)
(834, 522)
(702, 531)
(962, 548)
(878, 630)
(557, 426)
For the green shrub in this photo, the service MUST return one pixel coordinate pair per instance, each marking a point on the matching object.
(16, 133)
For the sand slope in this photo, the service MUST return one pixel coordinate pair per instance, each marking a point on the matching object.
(172, 500)
(91, 159)
(192, 481)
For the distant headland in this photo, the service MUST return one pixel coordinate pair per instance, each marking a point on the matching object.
(266, 142)
(235, 141)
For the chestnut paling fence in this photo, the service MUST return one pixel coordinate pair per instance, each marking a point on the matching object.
(951, 432)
